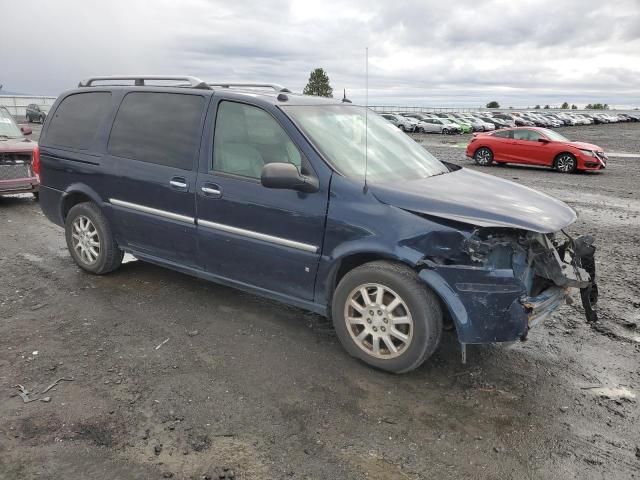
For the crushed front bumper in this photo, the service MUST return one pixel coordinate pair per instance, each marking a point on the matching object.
(490, 304)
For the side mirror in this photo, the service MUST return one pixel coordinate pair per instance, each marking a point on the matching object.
(26, 130)
(543, 140)
(286, 176)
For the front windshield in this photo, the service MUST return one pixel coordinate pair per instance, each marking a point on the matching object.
(8, 127)
(555, 136)
(338, 132)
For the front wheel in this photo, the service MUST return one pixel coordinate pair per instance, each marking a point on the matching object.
(483, 157)
(565, 163)
(90, 240)
(386, 316)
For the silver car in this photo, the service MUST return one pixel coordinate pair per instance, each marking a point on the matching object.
(399, 121)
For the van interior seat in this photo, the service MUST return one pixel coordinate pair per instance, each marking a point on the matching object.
(233, 150)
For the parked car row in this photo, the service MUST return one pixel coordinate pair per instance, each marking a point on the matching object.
(466, 122)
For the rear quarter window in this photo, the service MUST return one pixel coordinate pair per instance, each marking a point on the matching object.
(77, 119)
(160, 128)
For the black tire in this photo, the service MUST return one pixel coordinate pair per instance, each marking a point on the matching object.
(109, 256)
(403, 128)
(419, 303)
(36, 196)
(42, 119)
(445, 131)
(483, 156)
(565, 163)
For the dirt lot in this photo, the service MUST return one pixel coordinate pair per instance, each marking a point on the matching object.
(245, 388)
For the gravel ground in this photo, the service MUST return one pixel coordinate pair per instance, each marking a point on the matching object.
(249, 389)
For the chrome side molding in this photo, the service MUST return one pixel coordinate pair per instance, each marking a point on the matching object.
(259, 236)
(152, 211)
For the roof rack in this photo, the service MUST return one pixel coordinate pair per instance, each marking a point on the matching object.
(274, 86)
(193, 82)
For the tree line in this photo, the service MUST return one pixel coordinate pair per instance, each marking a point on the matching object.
(564, 106)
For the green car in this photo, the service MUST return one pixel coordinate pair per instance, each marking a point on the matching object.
(464, 126)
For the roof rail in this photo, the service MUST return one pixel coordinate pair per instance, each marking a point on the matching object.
(193, 82)
(274, 86)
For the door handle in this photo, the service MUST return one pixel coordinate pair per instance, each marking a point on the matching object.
(179, 183)
(211, 190)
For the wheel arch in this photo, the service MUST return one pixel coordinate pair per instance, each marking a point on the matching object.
(75, 194)
(352, 260)
(564, 152)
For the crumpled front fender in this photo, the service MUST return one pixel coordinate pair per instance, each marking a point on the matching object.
(490, 305)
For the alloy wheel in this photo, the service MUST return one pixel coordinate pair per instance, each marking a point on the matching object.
(565, 163)
(85, 240)
(483, 156)
(378, 320)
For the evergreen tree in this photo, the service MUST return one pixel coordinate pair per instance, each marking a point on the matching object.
(565, 106)
(574, 107)
(493, 104)
(318, 84)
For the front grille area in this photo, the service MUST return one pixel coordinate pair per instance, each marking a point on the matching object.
(15, 165)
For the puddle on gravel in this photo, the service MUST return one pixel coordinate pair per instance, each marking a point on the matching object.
(31, 257)
(619, 393)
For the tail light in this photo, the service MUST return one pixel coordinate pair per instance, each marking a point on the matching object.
(35, 161)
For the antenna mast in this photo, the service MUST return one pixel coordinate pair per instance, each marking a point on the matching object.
(366, 116)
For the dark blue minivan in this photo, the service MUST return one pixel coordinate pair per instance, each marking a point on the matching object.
(310, 201)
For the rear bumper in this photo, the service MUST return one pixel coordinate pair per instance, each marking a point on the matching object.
(51, 204)
(19, 185)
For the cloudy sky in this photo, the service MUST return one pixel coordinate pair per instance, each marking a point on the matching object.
(421, 52)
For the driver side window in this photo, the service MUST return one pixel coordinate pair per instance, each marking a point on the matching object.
(247, 138)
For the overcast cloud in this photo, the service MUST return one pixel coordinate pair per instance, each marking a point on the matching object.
(461, 52)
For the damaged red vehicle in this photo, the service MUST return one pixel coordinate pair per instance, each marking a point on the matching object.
(19, 158)
(535, 146)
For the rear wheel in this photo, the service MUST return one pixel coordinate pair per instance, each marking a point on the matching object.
(385, 316)
(565, 163)
(445, 131)
(483, 157)
(90, 239)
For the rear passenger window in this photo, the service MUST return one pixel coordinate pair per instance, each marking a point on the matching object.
(161, 128)
(504, 134)
(77, 118)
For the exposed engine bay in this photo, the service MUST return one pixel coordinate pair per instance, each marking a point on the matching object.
(541, 261)
(499, 282)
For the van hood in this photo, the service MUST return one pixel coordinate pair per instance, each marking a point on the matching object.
(478, 199)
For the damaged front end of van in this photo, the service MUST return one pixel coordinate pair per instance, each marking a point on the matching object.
(504, 281)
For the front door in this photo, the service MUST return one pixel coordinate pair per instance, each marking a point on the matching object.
(247, 233)
(528, 149)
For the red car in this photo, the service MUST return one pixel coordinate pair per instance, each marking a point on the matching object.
(535, 146)
(19, 158)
